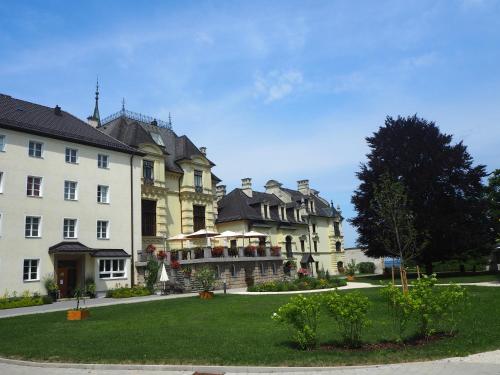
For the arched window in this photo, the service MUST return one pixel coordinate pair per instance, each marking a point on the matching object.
(338, 246)
(288, 246)
(234, 273)
(274, 269)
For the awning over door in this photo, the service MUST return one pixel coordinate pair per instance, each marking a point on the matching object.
(307, 258)
(75, 247)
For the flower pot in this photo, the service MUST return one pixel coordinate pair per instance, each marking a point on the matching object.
(206, 295)
(78, 314)
(350, 278)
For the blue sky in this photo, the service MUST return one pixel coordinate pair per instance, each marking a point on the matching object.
(280, 90)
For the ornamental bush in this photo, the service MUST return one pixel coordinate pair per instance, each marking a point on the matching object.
(302, 314)
(350, 312)
(26, 299)
(366, 267)
(125, 292)
(303, 283)
(400, 307)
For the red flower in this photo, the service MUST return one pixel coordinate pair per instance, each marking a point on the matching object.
(217, 251)
(162, 255)
(150, 249)
(175, 265)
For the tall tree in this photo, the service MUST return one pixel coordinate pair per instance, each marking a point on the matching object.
(444, 191)
(493, 196)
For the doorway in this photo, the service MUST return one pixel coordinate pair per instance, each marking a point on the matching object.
(67, 277)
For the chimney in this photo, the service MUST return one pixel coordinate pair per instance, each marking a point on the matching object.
(57, 111)
(246, 186)
(303, 186)
(203, 150)
(220, 191)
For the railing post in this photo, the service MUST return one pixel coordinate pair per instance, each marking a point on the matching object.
(241, 252)
(207, 252)
(268, 251)
(225, 253)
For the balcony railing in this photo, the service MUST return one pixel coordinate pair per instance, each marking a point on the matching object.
(216, 253)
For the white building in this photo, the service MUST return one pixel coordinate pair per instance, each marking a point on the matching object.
(69, 201)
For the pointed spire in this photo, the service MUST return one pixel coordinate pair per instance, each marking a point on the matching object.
(169, 119)
(123, 104)
(96, 115)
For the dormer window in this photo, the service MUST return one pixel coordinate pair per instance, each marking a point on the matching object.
(282, 209)
(312, 206)
(266, 211)
(148, 171)
(298, 214)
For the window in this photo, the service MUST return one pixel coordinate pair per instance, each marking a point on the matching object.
(34, 186)
(30, 270)
(315, 246)
(314, 228)
(157, 138)
(198, 217)
(266, 211)
(234, 273)
(312, 206)
(338, 247)
(102, 194)
(69, 228)
(35, 149)
(2, 143)
(148, 170)
(111, 268)
(148, 217)
(232, 244)
(70, 190)
(71, 155)
(302, 245)
(198, 180)
(102, 229)
(32, 227)
(288, 246)
(275, 271)
(218, 273)
(262, 269)
(298, 215)
(102, 161)
(1, 182)
(282, 209)
(336, 228)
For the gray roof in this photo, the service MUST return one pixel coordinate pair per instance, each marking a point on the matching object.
(73, 247)
(134, 132)
(23, 116)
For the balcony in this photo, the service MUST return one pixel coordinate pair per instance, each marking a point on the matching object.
(217, 254)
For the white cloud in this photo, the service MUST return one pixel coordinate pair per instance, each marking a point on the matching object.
(275, 85)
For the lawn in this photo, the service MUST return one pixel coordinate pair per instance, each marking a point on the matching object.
(228, 330)
(442, 278)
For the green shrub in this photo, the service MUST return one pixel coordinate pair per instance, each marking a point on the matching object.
(351, 268)
(349, 311)
(366, 267)
(25, 300)
(206, 277)
(400, 307)
(151, 274)
(90, 287)
(136, 291)
(304, 283)
(302, 314)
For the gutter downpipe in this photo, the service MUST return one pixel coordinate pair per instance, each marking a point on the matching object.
(132, 260)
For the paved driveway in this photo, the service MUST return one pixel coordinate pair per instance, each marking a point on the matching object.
(477, 364)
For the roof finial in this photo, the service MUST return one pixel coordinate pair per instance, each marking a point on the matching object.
(96, 116)
(169, 119)
(123, 104)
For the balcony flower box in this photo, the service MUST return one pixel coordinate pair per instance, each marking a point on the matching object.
(249, 251)
(217, 251)
(261, 251)
(161, 255)
(232, 251)
(275, 251)
(175, 265)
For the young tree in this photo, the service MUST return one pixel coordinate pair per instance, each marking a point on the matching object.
(395, 221)
(493, 196)
(444, 191)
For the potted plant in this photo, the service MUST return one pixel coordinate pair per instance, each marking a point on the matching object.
(206, 277)
(217, 251)
(51, 286)
(161, 255)
(174, 255)
(276, 251)
(199, 253)
(232, 251)
(350, 270)
(249, 251)
(303, 272)
(175, 265)
(78, 313)
(186, 270)
(261, 251)
(90, 287)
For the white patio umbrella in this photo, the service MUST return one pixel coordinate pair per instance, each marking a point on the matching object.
(253, 234)
(179, 237)
(164, 276)
(229, 234)
(203, 233)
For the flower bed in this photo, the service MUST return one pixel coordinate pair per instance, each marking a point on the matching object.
(25, 300)
(136, 291)
(217, 251)
(304, 283)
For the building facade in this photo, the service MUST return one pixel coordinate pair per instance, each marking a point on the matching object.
(306, 227)
(69, 201)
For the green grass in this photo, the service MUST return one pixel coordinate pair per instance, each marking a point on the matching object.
(442, 279)
(228, 330)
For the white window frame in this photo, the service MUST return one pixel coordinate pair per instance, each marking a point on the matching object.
(3, 143)
(75, 229)
(68, 155)
(100, 158)
(40, 190)
(31, 226)
(98, 232)
(68, 198)
(29, 279)
(109, 270)
(35, 143)
(100, 196)
(2, 178)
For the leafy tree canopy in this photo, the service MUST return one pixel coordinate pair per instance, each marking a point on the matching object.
(444, 190)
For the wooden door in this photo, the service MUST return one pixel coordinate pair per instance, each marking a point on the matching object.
(62, 281)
